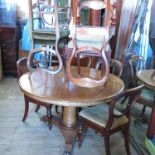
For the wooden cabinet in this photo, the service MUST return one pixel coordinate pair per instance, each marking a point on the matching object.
(9, 49)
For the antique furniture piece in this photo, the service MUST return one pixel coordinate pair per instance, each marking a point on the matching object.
(116, 66)
(45, 21)
(106, 120)
(58, 90)
(146, 77)
(22, 68)
(9, 48)
(146, 97)
(49, 26)
(90, 41)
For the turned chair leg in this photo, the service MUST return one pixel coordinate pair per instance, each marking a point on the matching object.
(37, 108)
(107, 144)
(26, 108)
(143, 111)
(79, 136)
(125, 132)
(49, 116)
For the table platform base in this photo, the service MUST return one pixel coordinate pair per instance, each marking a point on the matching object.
(67, 125)
(69, 134)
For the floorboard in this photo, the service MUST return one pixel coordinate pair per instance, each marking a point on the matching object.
(33, 136)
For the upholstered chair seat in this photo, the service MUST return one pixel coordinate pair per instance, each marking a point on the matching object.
(49, 34)
(147, 93)
(107, 120)
(99, 115)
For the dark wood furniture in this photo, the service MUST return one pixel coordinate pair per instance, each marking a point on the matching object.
(58, 90)
(145, 77)
(90, 41)
(106, 120)
(146, 97)
(116, 66)
(9, 48)
(49, 27)
(22, 68)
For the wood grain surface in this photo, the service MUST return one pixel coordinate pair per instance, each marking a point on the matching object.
(57, 89)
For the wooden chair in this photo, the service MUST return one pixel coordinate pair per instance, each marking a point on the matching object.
(106, 120)
(146, 97)
(21, 69)
(116, 66)
(46, 19)
(49, 21)
(90, 41)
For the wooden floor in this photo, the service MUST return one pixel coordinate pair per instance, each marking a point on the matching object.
(33, 136)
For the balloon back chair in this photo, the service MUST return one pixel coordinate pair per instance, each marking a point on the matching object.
(49, 21)
(22, 68)
(47, 18)
(146, 97)
(107, 120)
(90, 41)
(116, 67)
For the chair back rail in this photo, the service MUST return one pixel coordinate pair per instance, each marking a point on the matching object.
(21, 66)
(132, 95)
(116, 67)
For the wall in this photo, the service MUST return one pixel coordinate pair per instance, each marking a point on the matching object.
(22, 9)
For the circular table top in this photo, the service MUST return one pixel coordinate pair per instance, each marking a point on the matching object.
(56, 89)
(145, 77)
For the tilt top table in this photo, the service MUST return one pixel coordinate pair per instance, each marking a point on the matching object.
(58, 90)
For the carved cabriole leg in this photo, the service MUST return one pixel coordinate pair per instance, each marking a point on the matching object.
(26, 108)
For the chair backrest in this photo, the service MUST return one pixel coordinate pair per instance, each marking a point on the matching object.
(83, 33)
(47, 19)
(43, 14)
(130, 96)
(43, 58)
(52, 25)
(22, 66)
(116, 66)
(135, 63)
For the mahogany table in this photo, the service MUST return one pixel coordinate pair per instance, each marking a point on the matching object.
(58, 90)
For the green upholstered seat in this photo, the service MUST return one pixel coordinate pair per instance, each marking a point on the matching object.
(147, 93)
(91, 37)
